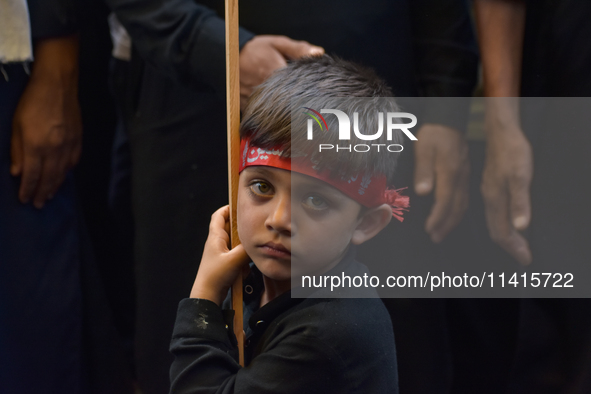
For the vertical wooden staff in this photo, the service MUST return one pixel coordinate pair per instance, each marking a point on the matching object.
(233, 117)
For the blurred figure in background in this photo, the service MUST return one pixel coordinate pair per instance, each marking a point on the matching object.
(40, 253)
(52, 310)
(537, 210)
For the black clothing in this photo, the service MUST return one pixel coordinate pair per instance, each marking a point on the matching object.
(55, 331)
(557, 49)
(554, 353)
(41, 313)
(174, 139)
(177, 130)
(184, 40)
(40, 289)
(552, 336)
(293, 345)
(431, 40)
(53, 18)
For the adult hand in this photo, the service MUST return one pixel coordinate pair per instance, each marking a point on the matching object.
(219, 266)
(264, 54)
(441, 163)
(506, 180)
(47, 128)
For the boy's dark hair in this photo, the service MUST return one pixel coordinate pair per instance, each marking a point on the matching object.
(275, 117)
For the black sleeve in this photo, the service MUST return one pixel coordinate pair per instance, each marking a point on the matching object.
(205, 359)
(53, 18)
(446, 54)
(183, 39)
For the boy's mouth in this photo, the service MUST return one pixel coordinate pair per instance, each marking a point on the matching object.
(274, 249)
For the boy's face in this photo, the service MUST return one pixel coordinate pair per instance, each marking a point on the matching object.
(288, 220)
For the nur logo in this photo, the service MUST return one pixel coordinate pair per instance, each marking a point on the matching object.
(345, 128)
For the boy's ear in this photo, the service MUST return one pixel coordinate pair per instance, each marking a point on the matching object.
(371, 223)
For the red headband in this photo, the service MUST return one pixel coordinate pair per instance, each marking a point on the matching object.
(367, 190)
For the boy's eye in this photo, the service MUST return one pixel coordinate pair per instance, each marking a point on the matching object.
(261, 188)
(315, 202)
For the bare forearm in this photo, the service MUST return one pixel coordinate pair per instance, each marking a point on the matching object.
(46, 133)
(509, 159)
(500, 33)
(56, 59)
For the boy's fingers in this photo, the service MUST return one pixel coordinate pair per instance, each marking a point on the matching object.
(227, 228)
(222, 212)
(218, 221)
(238, 255)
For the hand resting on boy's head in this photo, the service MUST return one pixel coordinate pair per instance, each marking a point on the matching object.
(264, 54)
(219, 265)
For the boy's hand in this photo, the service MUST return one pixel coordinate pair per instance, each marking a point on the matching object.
(441, 163)
(219, 265)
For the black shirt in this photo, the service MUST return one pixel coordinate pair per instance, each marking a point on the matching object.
(293, 345)
(424, 47)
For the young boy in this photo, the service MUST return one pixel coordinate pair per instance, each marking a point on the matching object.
(299, 213)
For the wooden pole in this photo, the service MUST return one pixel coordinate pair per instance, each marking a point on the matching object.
(233, 118)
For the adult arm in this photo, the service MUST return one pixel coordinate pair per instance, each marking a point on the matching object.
(186, 41)
(46, 132)
(508, 167)
(446, 61)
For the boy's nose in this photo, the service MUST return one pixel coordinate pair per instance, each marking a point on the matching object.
(279, 218)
